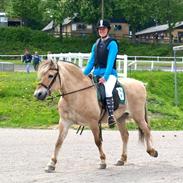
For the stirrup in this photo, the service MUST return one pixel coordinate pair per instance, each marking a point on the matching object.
(111, 121)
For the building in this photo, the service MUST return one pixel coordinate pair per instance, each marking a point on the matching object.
(73, 26)
(119, 28)
(3, 19)
(6, 21)
(160, 34)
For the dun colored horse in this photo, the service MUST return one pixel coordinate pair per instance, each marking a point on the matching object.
(79, 105)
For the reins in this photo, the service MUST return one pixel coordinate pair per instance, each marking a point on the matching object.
(63, 94)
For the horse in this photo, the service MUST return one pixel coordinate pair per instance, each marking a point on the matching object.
(78, 104)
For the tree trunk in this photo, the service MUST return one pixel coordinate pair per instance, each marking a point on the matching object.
(133, 36)
(170, 28)
(61, 36)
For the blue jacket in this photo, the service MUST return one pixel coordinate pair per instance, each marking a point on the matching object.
(109, 70)
(27, 58)
(36, 59)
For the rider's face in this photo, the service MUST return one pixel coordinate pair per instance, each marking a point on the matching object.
(103, 31)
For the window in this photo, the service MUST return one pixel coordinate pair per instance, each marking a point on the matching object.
(117, 27)
(81, 27)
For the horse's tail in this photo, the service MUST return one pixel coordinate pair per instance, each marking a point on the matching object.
(141, 133)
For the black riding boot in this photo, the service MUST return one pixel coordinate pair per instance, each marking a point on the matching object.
(110, 109)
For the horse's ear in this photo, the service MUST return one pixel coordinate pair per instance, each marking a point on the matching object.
(53, 64)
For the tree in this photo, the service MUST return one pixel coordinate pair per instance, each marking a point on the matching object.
(30, 11)
(168, 12)
(3, 4)
(137, 13)
(57, 11)
(89, 11)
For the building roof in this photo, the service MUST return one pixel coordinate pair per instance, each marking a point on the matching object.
(2, 14)
(49, 26)
(66, 21)
(69, 19)
(118, 20)
(159, 28)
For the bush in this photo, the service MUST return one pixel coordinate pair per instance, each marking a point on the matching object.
(13, 40)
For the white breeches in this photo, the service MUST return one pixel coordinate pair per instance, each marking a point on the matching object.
(109, 85)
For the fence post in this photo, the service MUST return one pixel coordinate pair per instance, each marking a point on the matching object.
(152, 65)
(125, 65)
(80, 60)
(135, 67)
(172, 66)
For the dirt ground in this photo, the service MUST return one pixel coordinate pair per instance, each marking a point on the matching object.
(24, 154)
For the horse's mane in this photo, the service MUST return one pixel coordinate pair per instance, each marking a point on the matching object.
(49, 64)
(72, 68)
(45, 66)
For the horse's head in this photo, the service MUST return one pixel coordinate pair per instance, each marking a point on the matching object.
(48, 74)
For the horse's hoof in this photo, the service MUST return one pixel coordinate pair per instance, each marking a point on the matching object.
(49, 169)
(120, 163)
(156, 154)
(153, 153)
(103, 166)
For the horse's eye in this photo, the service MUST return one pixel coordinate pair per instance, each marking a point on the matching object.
(50, 76)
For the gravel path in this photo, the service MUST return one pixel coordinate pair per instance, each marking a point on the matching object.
(24, 154)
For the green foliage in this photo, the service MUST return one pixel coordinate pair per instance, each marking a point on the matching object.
(136, 12)
(134, 49)
(30, 11)
(18, 108)
(15, 40)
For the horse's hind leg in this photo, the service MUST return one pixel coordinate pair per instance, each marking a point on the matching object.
(145, 133)
(98, 142)
(124, 136)
(63, 130)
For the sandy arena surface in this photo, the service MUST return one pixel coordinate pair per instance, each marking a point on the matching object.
(24, 154)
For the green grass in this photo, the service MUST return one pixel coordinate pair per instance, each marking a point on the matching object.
(18, 107)
(163, 112)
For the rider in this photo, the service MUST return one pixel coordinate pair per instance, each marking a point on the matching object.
(103, 60)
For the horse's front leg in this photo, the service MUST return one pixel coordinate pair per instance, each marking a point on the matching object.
(63, 130)
(98, 142)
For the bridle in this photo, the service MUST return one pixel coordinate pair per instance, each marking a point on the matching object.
(48, 88)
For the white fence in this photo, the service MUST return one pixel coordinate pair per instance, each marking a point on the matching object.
(15, 57)
(124, 62)
(154, 63)
(82, 58)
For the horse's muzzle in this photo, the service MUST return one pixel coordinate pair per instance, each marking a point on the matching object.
(40, 95)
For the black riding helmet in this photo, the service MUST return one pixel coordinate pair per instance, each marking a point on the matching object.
(103, 23)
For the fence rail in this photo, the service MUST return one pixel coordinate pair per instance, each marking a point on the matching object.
(124, 62)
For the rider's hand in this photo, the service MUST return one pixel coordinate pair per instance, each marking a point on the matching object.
(102, 80)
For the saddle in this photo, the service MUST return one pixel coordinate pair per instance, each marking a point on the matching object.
(118, 93)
